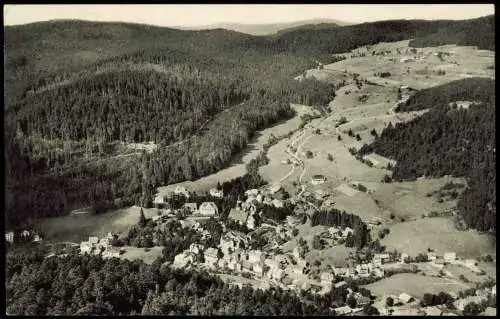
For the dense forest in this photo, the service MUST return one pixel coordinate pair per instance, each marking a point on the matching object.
(87, 285)
(199, 95)
(449, 140)
(470, 89)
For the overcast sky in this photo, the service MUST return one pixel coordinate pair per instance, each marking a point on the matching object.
(195, 15)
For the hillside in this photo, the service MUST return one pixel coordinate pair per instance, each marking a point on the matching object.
(477, 32)
(265, 29)
(75, 90)
(470, 89)
(450, 141)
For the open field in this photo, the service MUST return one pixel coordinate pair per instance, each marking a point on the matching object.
(415, 285)
(238, 168)
(334, 256)
(80, 227)
(134, 253)
(440, 234)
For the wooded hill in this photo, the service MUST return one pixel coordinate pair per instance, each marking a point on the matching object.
(90, 84)
(449, 140)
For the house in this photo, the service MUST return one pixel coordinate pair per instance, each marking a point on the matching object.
(259, 198)
(326, 278)
(333, 231)
(364, 269)
(103, 243)
(347, 231)
(195, 248)
(252, 192)
(362, 300)
(342, 271)
(432, 311)
(277, 203)
(405, 298)
(179, 190)
(292, 220)
(461, 303)
(9, 236)
(111, 252)
(258, 269)
(222, 263)
(377, 262)
(191, 207)
(255, 256)
(251, 222)
(318, 179)
(93, 241)
(182, 259)
(382, 257)
(85, 247)
(340, 311)
(403, 258)
(25, 233)
(208, 209)
(470, 263)
(37, 238)
(439, 261)
(156, 218)
(214, 192)
(275, 188)
(407, 59)
(450, 257)
(210, 256)
(431, 256)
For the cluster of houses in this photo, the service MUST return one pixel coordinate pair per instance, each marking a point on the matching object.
(97, 246)
(245, 213)
(24, 236)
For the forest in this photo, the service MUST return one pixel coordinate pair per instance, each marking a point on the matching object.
(199, 95)
(449, 140)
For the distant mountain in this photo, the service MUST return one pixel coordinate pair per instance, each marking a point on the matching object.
(266, 29)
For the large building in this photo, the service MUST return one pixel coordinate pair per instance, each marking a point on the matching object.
(208, 209)
(318, 179)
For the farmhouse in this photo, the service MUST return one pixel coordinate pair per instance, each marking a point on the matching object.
(216, 192)
(382, 257)
(403, 258)
(93, 241)
(195, 248)
(37, 238)
(450, 257)
(431, 256)
(252, 192)
(347, 231)
(191, 207)
(433, 311)
(340, 311)
(318, 179)
(183, 259)
(25, 233)
(405, 298)
(470, 262)
(255, 256)
(333, 231)
(85, 247)
(251, 222)
(9, 236)
(208, 209)
(407, 59)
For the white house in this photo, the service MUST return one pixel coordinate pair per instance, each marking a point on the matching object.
(403, 258)
(255, 256)
(208, 209)
(470, 262)
(277, 203)
(93, 241)
(382, 257)
(111, 252)
(258, 269)
(182, 259)
(9, 236)
(431, 256)
(85, 247)
(407, 59)
(252, 192)
(103, 243)
(210, 256)
(25, 233)
(340, 311)
(195, 248)
(378, 272)
(216, 192)
(37, 238)
(326, 278)
(461, 303)
(318, 179)
(238, 215)
(405, 298)
(450, 257)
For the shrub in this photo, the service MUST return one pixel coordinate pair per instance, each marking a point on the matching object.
(329, 157)
(386, 179)
(358, 137)
(350, 133)
(309, 154)
(339, 138)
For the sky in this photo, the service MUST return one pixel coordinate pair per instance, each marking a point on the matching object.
(198, 15)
